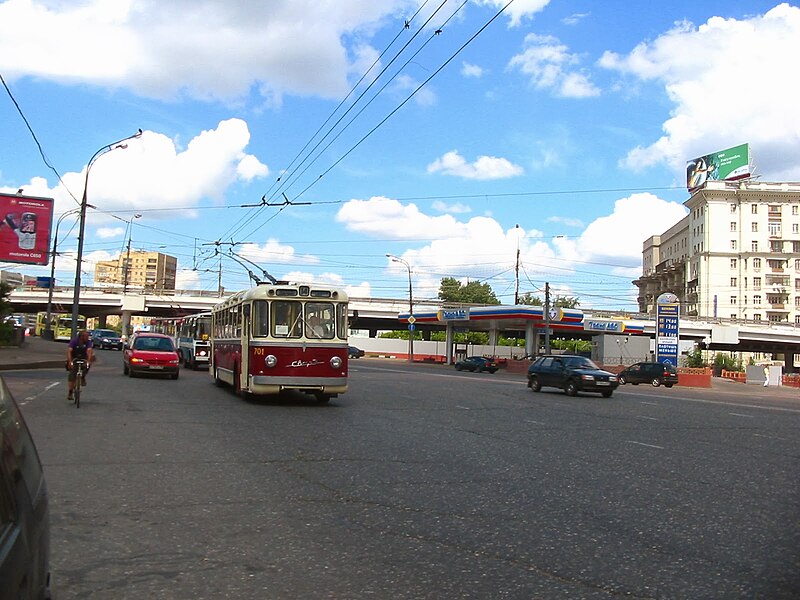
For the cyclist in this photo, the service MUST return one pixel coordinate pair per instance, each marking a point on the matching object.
(79, 347)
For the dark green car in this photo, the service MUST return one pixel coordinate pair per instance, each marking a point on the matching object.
(24, 513)
(571, 373)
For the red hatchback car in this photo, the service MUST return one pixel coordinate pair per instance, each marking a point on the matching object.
(152, 353)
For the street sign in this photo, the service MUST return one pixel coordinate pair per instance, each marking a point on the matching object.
(667, 329)
(411, 327)
(411, 319)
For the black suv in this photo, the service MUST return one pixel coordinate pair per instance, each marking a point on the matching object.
(654, 373)
(572, 374)
(106, 338)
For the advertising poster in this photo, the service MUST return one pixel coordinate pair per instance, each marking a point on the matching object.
(25, 223)
(726, 165)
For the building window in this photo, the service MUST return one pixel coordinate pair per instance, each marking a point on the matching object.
(797, 264)
(797, 284)
(754, 227)
(757, 299)
(754, 246)
(776, 246)
(796, 247)
(756, 316)
(733, 244)
(756, 283)
(756, 264)
(733, 300)
(733, 263)
(733, 281)
(754, 209)
(795, 209)
(733, 316)
(774, 228)
(733, 225)
(733, 208)
(797, 319)
(797, 301)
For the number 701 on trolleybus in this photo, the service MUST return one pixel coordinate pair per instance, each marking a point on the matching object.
(283, 336)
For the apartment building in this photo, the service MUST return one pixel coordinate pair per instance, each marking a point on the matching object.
(138, 270)
(736, 255)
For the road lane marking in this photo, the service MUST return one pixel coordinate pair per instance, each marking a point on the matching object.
(648, 418)
(46, 389)
(741, 415)
(651, 403)
(463, 407)
(532, 421)
(647, 445)
(769, 437)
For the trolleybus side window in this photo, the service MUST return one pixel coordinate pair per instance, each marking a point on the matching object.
(286, 317)
(341, 321)
(260, 318)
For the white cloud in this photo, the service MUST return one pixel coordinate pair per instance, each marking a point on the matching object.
(568, 221)
(152, 173)
(109, 232)
(618, 237)
(456, 208)
(187, 279)
(484, 168)
(519, 10)
(406, 84)
(574, 19)
(200, 48)
(273, 252)
(704, 71)
(551, 67)
(468, 70)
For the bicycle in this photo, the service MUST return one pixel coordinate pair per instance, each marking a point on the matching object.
(79, 365)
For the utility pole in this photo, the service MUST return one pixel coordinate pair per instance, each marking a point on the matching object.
(547, 318)
(126, 268)
(516, 272)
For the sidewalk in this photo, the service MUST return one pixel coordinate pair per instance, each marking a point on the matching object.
(35, 353)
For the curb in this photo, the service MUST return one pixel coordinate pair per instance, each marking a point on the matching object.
(42, 364)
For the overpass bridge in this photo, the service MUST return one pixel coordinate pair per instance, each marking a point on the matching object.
(380, 314)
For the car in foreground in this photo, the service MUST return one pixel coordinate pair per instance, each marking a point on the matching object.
(654, 373)
(353, 352)
(24, 512)
(105, 339)
(152, 353)
(476, 363)
(571, 373)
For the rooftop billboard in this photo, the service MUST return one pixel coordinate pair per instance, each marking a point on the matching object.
(25, 223)
(726, 165)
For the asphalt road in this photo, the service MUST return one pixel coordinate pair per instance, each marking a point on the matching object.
(420, 482)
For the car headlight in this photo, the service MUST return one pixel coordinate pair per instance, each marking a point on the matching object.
(271, 360)
(612, 378)
(587, 377)
(201, 353)
(336, 362)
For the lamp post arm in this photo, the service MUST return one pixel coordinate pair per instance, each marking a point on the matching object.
(76, 297)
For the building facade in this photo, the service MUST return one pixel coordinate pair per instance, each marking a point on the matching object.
(736, 255)
(138, 270)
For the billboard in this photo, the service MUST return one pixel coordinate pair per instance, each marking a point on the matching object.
(668, 311)
(726, 165)
(25, 223)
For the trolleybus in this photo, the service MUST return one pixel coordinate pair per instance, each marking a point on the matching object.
(60, 325)
(193, 340)
(282, 336)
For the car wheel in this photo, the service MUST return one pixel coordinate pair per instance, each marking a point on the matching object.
(571, 389)
(655, 382)
(607, 393)
(458, 367)
(124, 369)
(535, 385)
(175, 374)
(668, 385)
(622, 380)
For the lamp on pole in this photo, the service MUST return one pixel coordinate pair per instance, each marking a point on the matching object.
(127, 264)
(76, 297)
(48, 331)
(410, 306)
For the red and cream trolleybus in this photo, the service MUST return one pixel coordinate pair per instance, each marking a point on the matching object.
(282, 336)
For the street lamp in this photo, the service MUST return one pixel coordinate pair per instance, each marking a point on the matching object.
(410, 306)
(48, 331)
(127, 265)
(76, 297)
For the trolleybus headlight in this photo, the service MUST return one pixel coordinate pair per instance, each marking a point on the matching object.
(336, 362)
(271, 360)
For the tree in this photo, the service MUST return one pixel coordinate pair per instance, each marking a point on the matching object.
(6, 329)
(474, 292)
(557, 301)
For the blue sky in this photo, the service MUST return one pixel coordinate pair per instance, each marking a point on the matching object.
(562, 130)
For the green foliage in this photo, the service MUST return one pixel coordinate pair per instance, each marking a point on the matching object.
(727, 362)
(695, 360)
(572, 345)
(474, 292)
(558, 301)
(6, 329)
